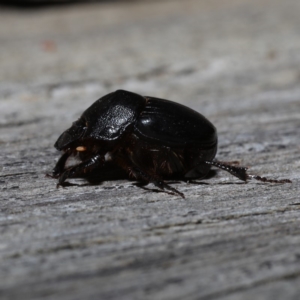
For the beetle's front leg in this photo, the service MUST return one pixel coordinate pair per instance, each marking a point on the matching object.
(81, 169)
(60, 165)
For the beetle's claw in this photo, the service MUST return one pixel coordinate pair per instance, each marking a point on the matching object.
(163, 186)
(52, 175)
(180, 194)
(175, 192)
(49, 175)
(63, 177)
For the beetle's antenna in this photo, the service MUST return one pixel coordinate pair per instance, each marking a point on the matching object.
(241, 172)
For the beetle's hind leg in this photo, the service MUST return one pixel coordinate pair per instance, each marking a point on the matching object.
(241, 172)
(264, 179)
(81, 169)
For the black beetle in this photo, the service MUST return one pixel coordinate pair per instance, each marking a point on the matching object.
(151, 139)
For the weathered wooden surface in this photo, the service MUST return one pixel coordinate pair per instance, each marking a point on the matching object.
(235, 61)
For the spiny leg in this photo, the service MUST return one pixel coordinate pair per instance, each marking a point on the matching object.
(264, 179)
(81, 169)
(241, 172)
(60, 165)
(232, 162)
(157, 181)
(139, 174)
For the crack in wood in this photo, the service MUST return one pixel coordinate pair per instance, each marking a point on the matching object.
(21, 123)
(17, 174)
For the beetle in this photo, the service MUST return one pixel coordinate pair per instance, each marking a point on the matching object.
(151, 139)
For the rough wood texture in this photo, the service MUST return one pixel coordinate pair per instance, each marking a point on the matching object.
(235, 61)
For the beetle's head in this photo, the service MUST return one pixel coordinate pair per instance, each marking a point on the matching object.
(72, 137)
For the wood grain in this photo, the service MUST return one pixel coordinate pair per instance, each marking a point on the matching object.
(236, 62)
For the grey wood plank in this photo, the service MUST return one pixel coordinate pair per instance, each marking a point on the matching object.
(237, 62)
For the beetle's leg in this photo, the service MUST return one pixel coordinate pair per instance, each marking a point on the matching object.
(156, 180)
(139, 174)
(264, 179)
(163, 186)
(241, 172)
(60, 165)
(231, 163)
(138, 171)
(81, 169)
